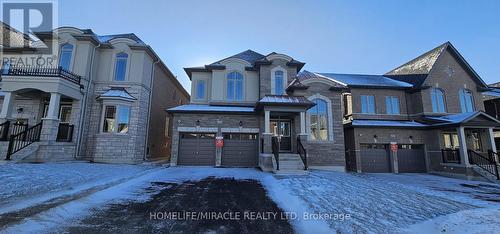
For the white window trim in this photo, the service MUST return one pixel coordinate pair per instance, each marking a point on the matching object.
(113, 68)
(71, 61)
(367, 102)
(115, 104)
(243, 84)
(392, 107)
(196, 90)
(273, 79)
(329, 117)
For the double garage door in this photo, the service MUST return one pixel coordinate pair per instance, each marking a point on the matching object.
(198, 149)
(376, 158)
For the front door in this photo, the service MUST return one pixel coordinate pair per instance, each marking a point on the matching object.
(281, 129)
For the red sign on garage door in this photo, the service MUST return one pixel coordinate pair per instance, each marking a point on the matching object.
(219, 142)
(394, 147)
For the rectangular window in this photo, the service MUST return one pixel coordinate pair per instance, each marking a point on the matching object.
(65, 113)
(476, 141)
(167, 126)
(200, 89)
(116, 119)
(451, 141)
(392, 105)
(367, 104)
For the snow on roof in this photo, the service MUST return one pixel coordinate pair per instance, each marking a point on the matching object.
(247, 55)
(420, 65)
(210, 108)
(493, 93)
(117, 92)
(388, 123)
(107, 38)
(366, 80)
(455, 118)
(285, 99)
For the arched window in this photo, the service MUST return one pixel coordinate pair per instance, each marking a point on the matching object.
(318, 116)
(279, 83)
(235, 86)
(121, 66)
(437, 97)
(65, 56)
(466, 101)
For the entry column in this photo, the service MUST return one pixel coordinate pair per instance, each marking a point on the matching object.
(464, 159)
(491, 137)
(50, 124)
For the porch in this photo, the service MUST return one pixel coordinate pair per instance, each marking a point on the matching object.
(40, 109)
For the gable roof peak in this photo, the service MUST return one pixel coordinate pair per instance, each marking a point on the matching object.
(421, 64)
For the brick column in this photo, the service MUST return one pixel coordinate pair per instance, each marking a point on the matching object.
(267, 143)
(49, 130)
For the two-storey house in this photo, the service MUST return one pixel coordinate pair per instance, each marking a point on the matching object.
(91, 98)
(248, 110)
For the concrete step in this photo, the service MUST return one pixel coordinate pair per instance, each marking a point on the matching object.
(291, 172)
(484, 174)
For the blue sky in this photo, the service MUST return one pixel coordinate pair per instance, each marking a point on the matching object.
(367, 37)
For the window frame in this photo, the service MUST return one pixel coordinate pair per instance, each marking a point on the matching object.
(390, 105)
(274, 78)
(368, 108)
(235, 80)
(70, 59)
(117, 107)
(197, 90)
(126, 64)
(436, 108)
(327, 116)
(465, 96)
(5, 68)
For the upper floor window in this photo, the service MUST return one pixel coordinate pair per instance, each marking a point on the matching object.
(318, 116)
(121, 66)
(5, 68)
(279, 83)
(235, 86)
(65, 56)
(392, 105)
(200, 89)
(466, 101)
(367, 104)
(437, 98)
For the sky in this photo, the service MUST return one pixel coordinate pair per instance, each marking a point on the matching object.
(356, 36)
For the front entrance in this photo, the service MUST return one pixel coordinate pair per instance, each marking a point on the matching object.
(281, 129)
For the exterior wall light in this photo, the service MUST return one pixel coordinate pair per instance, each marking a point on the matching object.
(198, 123)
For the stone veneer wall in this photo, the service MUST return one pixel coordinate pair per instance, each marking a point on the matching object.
(113, 147)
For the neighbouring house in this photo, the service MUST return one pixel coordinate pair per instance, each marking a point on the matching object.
(252, 103)
(424, 116)
(492, 107)
(101, 99)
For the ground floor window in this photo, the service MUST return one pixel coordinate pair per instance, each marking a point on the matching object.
(116, 119)
(476, 141)
(451, 141)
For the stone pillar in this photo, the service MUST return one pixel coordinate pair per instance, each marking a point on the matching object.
(491, 136)
(464, 159)
(50, 124)
(267, 143)
(7, 107)
(302, 123)
(267, 121)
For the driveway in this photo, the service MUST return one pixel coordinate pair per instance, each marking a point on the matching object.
(320, 202)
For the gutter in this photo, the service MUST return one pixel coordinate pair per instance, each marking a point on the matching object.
(84, 103)
(149, 109)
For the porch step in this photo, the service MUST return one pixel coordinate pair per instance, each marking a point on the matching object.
(30, 150)
(290, 164)
(485, 174)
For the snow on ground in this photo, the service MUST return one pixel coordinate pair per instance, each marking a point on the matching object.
(26, 184)
(375, 203)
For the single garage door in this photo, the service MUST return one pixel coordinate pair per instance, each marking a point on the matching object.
(411, 159)
(240, 150)
(375, 158)
(196, 149)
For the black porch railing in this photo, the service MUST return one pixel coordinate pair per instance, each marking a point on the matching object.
(450, 155)
(21, 140)
(65, 132)
(301, 150)
(276, 151)
(485, 163)
(44, 72)
(493, 156)
(17, 128)
(4, 131)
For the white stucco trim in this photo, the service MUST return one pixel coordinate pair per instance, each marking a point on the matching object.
(279, 56)
(330, 117)
(322, 80)
(273, 79)
(235, 60)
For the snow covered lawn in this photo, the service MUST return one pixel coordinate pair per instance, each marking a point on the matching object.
(332, 202)
(28, 184)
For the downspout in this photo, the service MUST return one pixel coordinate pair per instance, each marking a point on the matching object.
(149, 108)
(84, 103)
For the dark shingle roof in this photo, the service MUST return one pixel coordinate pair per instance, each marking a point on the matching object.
(356, 80)
(247, 55)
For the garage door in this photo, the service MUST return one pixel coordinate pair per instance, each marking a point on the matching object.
(375, 158)
(411, 159)
(196, 149)
(240, 150)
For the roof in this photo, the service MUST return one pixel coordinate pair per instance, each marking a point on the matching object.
(494, 92)
(117, 92)
(456, 119)
(417, 70)
(248, 55)
(197, 108)
(282, 99)
(107, 38)
(387, 123)
(357, 80)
